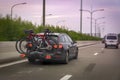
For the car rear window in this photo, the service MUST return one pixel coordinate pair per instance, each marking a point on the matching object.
(53, 37)
(111, 37)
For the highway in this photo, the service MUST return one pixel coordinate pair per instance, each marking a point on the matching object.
(94, 63)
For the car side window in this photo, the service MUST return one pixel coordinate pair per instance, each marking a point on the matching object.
(70, 40)
(66, 38)
(61, 38)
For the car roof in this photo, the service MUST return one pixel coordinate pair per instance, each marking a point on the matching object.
(111, 34)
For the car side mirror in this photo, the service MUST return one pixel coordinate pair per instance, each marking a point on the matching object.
(74, 42)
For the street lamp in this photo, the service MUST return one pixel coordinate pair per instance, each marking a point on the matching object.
(91, 14)
(96, 22)
(14, 6)
(99, 30)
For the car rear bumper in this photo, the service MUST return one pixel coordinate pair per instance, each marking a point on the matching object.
(47, 56)
(111, 44)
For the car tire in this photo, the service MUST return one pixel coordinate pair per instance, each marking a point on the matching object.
(66, 60)
(117, 47)
(76, 55)
(105, 46)
(31, 60)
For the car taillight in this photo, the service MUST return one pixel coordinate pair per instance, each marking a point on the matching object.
(29, 45)
(58, 46)
(55, 46)
(22, 55)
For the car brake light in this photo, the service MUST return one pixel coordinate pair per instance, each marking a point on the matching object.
(48, 57)
(22, 55)
(58, 46)
(55, 46)
(30, 45)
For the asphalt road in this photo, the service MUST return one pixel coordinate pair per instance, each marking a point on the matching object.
(94, 63)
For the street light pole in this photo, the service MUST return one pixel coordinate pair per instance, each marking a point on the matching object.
(81, 16)
(44, 1)
(14, 6)
(91, 15)
(96, 23)
(99, 30)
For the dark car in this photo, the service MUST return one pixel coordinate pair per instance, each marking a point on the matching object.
(62, 48)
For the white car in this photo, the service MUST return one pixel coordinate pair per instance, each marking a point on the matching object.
(111, 40)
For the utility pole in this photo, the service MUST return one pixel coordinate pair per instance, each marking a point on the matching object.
(81, 16)
(44, 9)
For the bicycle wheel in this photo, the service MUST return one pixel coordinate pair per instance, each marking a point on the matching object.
(17, 45)
(23, 45)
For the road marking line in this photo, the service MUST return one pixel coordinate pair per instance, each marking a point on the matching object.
(86, 46)
(102, 50)
(13, 63)
(66, 77)
(96, 54)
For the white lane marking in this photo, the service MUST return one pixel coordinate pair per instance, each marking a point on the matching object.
(86, 46)
(66, 77)
(12, 63)
(96, 54)
(102, 50)
(21, 72)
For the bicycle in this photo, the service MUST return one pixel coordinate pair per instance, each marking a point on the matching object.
(34, 42)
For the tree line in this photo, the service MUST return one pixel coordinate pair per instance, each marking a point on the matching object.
(13, 29)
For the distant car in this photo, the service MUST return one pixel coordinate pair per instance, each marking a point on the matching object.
(62, 48)
(111, 40)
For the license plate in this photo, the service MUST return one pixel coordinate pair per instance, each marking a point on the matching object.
(111, 41)
(48, 57)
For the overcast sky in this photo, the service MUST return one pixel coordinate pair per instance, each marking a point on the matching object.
(66, 13)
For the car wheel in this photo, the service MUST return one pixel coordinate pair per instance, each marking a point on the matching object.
(66, 60)
(31, 60)
(105, 46)
(76, 55)
(117, 47)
